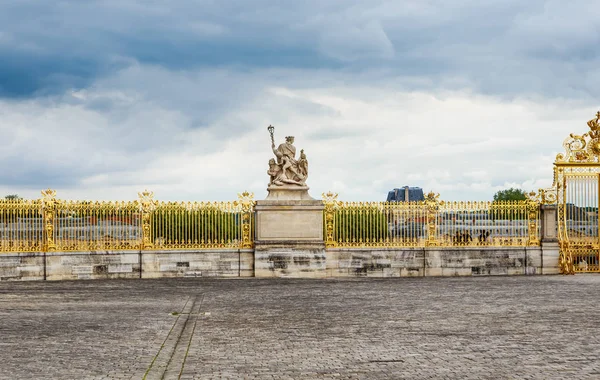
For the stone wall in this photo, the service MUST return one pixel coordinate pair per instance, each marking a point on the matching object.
(92, 265)
(303, 259)
(21, 266)
(375, 262)
(208, 263)
(464, 261)
(334, 262)
(126, 264)
(478, 261)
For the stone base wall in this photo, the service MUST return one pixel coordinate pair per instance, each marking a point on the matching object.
(375, 262)
(209, 263)
(92, 265)
(126, 264)
(466, 261)
(478, 261)
(21, 266)
(276, 259)
(300, 260)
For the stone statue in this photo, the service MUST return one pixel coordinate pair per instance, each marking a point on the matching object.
(275, 173)
(303, 164)
(285, 169)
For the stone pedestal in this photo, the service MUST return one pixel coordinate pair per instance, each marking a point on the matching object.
(550, 246)
(289, 237)
(550, 256)
(548, 230)
(288, 193)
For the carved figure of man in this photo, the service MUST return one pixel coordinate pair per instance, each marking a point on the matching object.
(303, 165)
(275, 173)
(286, 154)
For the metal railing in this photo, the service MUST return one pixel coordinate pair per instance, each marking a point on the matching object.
(92, 226)
(187, 225)
(431, 223)
(499, 223)
(51, 224)
(379, 224)
(21, 225)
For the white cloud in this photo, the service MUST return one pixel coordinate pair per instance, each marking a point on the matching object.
(118, 137)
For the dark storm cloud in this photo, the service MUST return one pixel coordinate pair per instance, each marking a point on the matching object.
(504, 47)
(46, 47)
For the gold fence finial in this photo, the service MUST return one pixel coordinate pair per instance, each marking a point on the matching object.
(432, 197)
(246, 199)
(329, 196)
(582, 148)
(48, 194)
(594, 125)
(146, 195)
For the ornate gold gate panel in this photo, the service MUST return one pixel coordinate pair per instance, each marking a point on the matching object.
(577, 184)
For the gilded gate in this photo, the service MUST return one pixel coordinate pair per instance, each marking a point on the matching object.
(577, 192)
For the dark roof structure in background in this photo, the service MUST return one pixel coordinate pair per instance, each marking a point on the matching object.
(406, 194)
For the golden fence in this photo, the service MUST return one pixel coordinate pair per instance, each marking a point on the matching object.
(21, 225)
(184, 225)
(51, 224)
(91, 226)
(431, 223)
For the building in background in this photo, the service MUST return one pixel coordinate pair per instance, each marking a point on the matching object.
(406, 194)
(406, 225)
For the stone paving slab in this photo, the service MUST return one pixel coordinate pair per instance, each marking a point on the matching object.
(407, 328)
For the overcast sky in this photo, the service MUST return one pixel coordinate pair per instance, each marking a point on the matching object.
(102, 99)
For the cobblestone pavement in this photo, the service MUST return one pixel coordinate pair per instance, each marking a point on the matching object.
(423, 328)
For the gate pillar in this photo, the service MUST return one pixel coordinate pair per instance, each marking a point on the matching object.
(549, 239)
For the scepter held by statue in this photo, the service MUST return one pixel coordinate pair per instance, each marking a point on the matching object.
(271, 130)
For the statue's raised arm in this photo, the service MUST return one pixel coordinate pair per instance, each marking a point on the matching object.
(277, 153)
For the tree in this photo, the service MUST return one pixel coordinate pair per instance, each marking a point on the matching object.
(12, 197)
(511, 194)
(508, 204)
